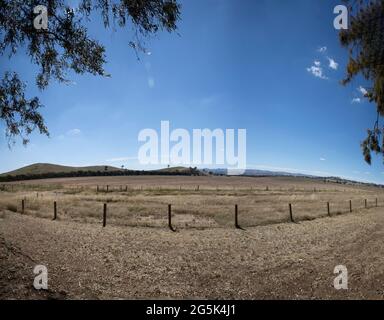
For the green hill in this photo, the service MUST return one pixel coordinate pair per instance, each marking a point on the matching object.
(45, 168)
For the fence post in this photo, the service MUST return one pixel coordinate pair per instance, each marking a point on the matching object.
(350, 206)
(376, 202)
(328, 208)
(54, 210)
(107, 187)
(97, 189)
(236, 218)
(365, 202)
(22, 206)
(291, 213)
(105, 215)
(170, 218)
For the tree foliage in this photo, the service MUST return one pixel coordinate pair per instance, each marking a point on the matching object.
(21, 116)
(66, 46)
(365, 41)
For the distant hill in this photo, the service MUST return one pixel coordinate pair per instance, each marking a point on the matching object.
(46, 168)
(261, 173)
(266, 173)
(180, 170)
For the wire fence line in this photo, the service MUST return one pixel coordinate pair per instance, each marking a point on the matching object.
(174, 188)
(237, 216)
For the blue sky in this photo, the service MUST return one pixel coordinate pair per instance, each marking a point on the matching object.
(233, 64)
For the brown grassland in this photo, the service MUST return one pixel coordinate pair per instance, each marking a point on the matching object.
(137, 256)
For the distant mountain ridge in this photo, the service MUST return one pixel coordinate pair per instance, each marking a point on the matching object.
(260, 173)
(48, 170)
(45, 168)
(266, 173)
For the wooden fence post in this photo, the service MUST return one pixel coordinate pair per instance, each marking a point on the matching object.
(22, 206)
(376, 202)
(97, 189)
(236, 218)
(329, 209)
(291, 213)
(365, 203)
(350, 206)
(54, 210)
(170, 218)
(105, 215)
(107, 188)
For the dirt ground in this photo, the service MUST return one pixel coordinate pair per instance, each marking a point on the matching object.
(280, 260)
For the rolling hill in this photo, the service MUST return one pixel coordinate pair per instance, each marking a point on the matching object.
(46, 168)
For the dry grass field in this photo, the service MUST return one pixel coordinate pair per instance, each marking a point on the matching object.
(137, 256)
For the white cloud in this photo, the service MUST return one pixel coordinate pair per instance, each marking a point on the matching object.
(322, 49)
(151, 82)
(148, 66)
(323, 159)
(317, 71)
(362, 90)
(69, 133)
(356, 100)
(73, 132)
(333, 64)
(121, 159)
(317, 63)
(208, 100)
